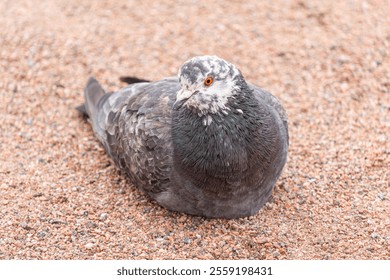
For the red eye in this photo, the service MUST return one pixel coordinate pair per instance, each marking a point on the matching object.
(208, 81)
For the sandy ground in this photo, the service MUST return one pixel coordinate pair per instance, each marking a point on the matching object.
(329, 63)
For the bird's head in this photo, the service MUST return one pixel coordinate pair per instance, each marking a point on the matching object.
(207, 83)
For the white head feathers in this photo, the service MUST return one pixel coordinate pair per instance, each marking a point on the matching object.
(207, 83)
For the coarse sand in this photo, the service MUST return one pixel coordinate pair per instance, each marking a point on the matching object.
(327, 61)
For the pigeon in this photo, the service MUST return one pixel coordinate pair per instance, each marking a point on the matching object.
(205, 142)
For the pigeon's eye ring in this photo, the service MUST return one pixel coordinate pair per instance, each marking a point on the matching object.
(208, 81)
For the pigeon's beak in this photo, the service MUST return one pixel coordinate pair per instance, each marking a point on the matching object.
(182, 96)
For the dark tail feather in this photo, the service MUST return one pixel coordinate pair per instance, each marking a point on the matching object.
(132, 80)
(93, 92)
(82, 110)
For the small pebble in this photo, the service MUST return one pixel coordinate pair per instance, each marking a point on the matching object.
(91, 225)
(89, 246)
(25, 226)
(29, 121)
(120, 191)
(56, 222)
(381, 196)
(77, 188)
(103, 217)
(187, 240)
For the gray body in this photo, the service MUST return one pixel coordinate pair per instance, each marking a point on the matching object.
(223, 164)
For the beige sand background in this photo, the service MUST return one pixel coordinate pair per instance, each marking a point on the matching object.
(327, 61)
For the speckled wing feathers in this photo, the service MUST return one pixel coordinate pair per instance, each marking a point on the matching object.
(134, 126)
